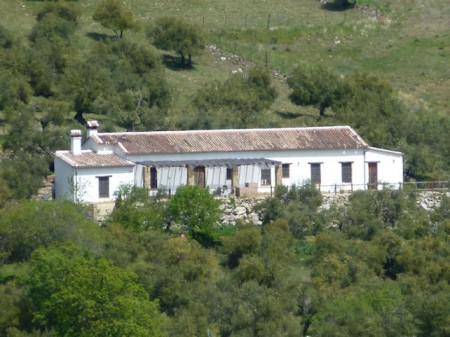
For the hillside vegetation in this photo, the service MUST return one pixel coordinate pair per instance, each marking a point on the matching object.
(377, 266)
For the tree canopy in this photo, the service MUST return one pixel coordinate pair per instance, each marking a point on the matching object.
(240, 99)
(376, 266)
(184, 38)
(80, 295)
(316, 86)
(113, 15)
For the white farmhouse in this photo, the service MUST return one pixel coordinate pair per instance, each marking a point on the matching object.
(244, 162)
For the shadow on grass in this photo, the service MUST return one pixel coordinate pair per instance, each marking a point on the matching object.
(174, 63)
(293, 115)
(97, 36)
(337, 7)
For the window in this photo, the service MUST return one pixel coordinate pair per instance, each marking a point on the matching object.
(346, 172)
(229, 174)
(153, 178)
(285, 170)
(103, 187)
(315, 173)
(265, 177)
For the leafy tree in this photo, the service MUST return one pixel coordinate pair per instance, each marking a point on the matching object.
(246, 241)
(171, 33)
(298, 205)
(5, 191)
(370, 211)
(52, 27)
(316, 86)
(122, 80)
(377, 309)
(136, 210)
(240, 99)
(373, 109)
(63, 10)
(28, 225)
(23, 174)
(113, 15)
(6, 38)
(196, 210)
(11, 296)
(81, 295)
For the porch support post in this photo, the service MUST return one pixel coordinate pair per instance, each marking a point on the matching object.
(278, 175)
(190, 175)
(235, 177)
(147, 178)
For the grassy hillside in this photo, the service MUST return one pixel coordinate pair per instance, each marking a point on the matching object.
(406, 43)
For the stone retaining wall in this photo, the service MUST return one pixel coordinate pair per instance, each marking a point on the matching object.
(242, 209)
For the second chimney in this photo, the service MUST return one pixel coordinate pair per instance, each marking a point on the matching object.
(92, 127)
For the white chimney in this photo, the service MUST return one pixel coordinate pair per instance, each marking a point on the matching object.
(75, 141)
(92, 127)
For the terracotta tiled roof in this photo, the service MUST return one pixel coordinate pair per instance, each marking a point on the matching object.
(315, 138)
(91, 159)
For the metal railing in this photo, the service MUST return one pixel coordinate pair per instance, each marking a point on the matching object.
(410, 186)
(334, 188)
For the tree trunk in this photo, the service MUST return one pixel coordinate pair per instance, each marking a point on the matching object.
(322, 111)
(189, 60)
(80, 119)
(183, 60)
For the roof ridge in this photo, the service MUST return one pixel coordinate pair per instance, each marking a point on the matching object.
(225, 130)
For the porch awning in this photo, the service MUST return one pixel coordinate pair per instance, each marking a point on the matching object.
(229, 163)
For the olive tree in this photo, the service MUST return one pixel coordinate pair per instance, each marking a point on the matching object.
(185, 39)
(113, 15)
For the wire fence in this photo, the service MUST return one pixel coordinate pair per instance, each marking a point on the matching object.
(242, 20)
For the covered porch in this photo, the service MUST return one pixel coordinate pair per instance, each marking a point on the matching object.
(240, 176)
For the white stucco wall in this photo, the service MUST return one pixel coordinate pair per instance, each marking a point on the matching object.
(63, 180)
(82, 184)
(389, 166)
(300, 168)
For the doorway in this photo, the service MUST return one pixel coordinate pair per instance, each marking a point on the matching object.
(199, 176)
(373, 175)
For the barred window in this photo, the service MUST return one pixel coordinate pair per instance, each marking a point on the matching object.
(103, 187)
(285, 170)
(265, 177)
(315, 173)
(346, 172)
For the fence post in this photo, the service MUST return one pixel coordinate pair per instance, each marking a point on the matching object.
(335, 189)
(271, 192)
(268, 21)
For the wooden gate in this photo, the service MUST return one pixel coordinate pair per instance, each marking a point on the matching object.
(199, 176)
(373, 175)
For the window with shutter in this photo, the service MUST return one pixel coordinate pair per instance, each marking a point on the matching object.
(315, 173)
(346, 172)
(103, 187)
